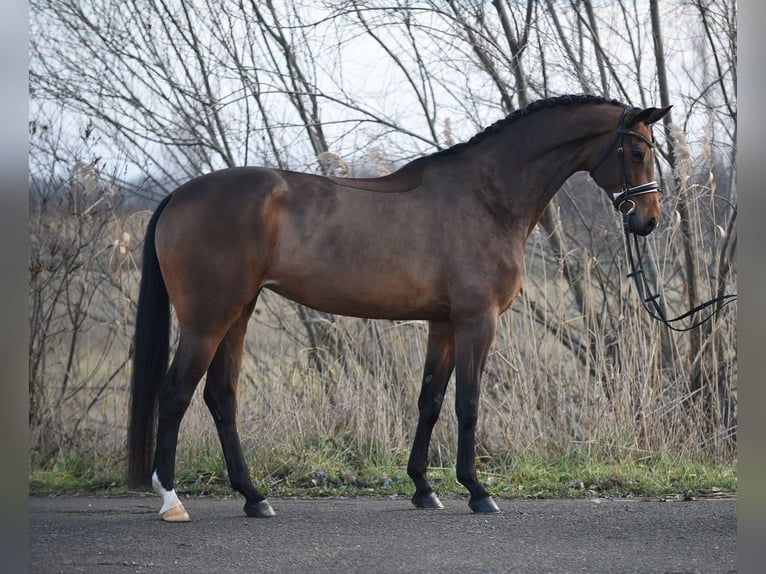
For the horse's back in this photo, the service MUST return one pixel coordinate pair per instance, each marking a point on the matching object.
(234, 187)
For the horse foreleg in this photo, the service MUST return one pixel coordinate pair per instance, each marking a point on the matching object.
(175, 394)
(221, 398)
(438, 368)
(472, 341)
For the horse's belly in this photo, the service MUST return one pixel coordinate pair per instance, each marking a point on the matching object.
(365, 295)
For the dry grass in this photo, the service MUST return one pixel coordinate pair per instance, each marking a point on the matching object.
(607, 383)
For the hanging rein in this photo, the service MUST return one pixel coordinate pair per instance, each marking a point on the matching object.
(649, 300)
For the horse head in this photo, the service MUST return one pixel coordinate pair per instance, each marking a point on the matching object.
(626, 170)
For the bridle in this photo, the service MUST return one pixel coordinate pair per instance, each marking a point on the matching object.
(626, 191)
(649, 301)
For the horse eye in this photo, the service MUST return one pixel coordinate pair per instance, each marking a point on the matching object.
(637, 155)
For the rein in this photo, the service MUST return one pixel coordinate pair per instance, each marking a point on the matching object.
(650, 301)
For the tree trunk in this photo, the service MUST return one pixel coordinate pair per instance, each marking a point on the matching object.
(687, 232)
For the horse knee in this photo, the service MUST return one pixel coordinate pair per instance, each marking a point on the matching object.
(467, 417)
(430, 410)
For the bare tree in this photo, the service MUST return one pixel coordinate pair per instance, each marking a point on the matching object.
(79, 265)
(162, 93)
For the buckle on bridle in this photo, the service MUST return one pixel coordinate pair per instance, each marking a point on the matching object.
(627, 192)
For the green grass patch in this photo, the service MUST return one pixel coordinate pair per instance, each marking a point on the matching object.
(575, 474)
(337, 466)
(80, 473)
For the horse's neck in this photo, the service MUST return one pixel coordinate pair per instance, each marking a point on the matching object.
(532, 167)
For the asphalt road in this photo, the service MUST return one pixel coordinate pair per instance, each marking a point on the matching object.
(370, 535)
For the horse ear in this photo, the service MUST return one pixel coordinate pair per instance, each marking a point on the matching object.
(648, 116)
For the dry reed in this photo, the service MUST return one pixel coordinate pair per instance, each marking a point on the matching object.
(604, 380)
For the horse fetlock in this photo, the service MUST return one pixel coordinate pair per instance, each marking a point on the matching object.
(172, 510)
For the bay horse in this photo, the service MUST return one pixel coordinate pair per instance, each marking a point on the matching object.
(440, 240)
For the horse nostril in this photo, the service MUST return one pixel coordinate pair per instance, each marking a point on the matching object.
(651, 224)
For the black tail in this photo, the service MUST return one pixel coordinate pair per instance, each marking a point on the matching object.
(151, 351)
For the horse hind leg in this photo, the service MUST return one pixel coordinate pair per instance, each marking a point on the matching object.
(221, 398)
(438, 368)
(192, 358)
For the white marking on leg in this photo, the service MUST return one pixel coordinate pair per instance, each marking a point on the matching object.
(169, 497)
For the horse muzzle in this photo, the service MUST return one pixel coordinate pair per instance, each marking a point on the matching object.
(637, 224)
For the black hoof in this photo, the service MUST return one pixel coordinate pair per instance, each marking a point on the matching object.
(260, 509)
(484, 506)
(428, 501)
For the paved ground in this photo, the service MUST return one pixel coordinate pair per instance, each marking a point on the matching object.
(366, 535)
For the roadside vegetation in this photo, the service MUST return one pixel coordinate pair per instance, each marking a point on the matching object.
(335, 471)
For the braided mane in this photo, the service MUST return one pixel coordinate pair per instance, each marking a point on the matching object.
(533, 107)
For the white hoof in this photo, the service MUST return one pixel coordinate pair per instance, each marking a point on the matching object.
(175, 514)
